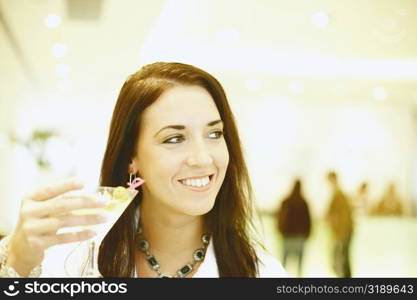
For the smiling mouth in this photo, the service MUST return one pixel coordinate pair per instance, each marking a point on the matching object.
(198, 183)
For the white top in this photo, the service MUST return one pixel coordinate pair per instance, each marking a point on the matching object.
(269, 266)
(53, 265)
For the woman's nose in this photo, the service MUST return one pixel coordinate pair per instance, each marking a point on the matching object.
(199, 155)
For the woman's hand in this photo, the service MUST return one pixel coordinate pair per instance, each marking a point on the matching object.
(42, 214)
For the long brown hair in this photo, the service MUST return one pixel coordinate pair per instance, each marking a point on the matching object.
(231, 217)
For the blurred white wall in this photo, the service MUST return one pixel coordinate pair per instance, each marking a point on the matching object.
(311, 88)
(284, 139)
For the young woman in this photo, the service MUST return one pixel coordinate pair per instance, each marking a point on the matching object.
(173, 127)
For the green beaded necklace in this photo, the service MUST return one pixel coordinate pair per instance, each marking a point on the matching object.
(198, 256)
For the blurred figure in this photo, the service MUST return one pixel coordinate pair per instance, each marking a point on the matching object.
(413, 209)
(360, 203)
(294, 223)
(339, 216)
(390, 204)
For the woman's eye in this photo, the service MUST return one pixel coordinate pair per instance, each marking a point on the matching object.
(216, 134)
(174, 140)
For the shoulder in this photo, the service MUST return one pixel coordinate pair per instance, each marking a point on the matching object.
(269, 266)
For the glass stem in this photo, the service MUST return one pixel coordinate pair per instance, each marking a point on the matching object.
(91, 256)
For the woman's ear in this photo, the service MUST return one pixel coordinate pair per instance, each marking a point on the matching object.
(132, 168)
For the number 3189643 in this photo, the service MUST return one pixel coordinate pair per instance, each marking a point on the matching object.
(390, 289)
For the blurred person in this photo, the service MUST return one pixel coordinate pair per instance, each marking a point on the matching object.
(339, 216)
(294, 223)
(360, 201)
(173, 127)
(390, 203)
(413, 209)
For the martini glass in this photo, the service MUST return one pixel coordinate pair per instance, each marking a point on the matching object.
(116, 200)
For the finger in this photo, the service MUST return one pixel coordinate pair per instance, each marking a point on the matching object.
(36, 227)
(84, 220)
(70, 237)
(63, 205)
(55, 190)
(48, 226)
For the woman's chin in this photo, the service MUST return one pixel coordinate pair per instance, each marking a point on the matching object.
(199, 208)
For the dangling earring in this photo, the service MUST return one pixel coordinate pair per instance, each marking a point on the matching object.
(130, 177)
(134, 181)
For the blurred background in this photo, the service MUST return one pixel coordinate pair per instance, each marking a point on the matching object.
(316, 86)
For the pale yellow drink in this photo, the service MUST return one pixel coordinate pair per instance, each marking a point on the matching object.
(116, 200)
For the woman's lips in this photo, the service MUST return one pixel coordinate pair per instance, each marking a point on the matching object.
(198, 183)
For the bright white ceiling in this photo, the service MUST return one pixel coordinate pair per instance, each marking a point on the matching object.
(273, 43)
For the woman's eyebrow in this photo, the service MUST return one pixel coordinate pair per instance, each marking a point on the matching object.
(182, 127)
(212, 123)
(177, 127)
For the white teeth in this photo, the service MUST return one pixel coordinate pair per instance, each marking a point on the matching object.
(196, 182)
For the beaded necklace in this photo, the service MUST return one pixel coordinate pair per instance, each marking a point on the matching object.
(198, 256)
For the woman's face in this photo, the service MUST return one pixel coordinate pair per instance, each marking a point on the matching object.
(181, 152)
